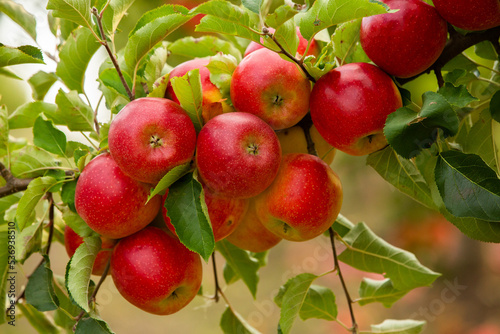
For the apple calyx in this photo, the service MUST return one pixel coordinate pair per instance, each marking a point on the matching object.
(155, 141)
(278, 100)
(253, 149)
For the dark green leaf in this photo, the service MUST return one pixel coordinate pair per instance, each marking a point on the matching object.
(25, 54)
(342, 225)
(68, 194)
(94, 326)
(185, 210)
(227, 18)
(485, 50)
(242, 263)
(346, 43)
(280, 15)
(469, 188)
(381, 291)
(40, 321)
(75, 56)
(203, 46)
(77, 11)
(327, 13)
(36, 189)
(460, 62)
(46, 136)
(409, 132)
(67, 311)
(19, 15)
(232, 323)
(368, 252)
(25, 115)
(399, 327)
(319, 304)
(190, 94)
(40, 288)
(460, 77)
(495, 106)
(40, 84)
(72, 112)
(111, 79)
(79, 269)
(77, 224)
(172, 176)
(458, 96)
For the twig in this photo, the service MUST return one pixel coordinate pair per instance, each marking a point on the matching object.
(13, 184)
(216, 280)
(306, 124)
(354, 328)
(104, 42)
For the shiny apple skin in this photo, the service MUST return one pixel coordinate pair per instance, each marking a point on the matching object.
(470, 15)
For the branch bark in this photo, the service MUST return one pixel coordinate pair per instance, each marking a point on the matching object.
(13, 184)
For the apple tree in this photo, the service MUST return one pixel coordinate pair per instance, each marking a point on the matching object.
(105, 195)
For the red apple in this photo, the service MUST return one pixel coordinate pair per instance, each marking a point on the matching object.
(237, 155)
(407, 42)
(72, 241)
(251, 235)
(149, 137)
(349, 106)
(271, 88)
(111, 202)
(155, 272)
(213, 103)
(225, 213)
(313, 48)
(304, 199)
(470, 15)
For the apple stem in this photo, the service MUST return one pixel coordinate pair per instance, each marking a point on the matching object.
(306, 124)
(216, 280)
(354, 328)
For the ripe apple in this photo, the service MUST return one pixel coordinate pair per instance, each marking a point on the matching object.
(225, 213)
(213, 102)
(149, 137)
(313, 48)
(237, 155)
(271, 88)
(407, 42)
(251, 235)
(72, 241)
(155, 272)
(111, 202)
(304, 199)
(349, 106)
(470, 15)
(293, 140)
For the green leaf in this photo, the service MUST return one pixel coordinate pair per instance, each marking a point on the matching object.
(253, 5)
(29, 241)
(485, 50)
(7, 264)
(231, 323)
(26, 114)
(168, 179)
(6, 203)
(342, 225)
(227, 18)
(36, 189)
(19, 15)
(291, 298)
(155, 64)
(242, 263)
(399, 327)
(94, 326)
(75, 56)
(111, 79)
(368, 252)
(40, 321)
(8, 73)
(151, 29)
(190, 94)
(319, 304)
(115, 11)
(46, 136)
(458, 96)
(221, 69)
(346, 43)
(77, 11)
(280, 15)
(4, 128)
(40, 83)
(72, 112)
(32, 162)
(25, 54)
(202, 47)
(381, 291)
(327, 13)
(68, 194)
(495, 106)
(40, 288)
(77, 224)
(66, 313)
(402, 174)
(79, 269)
(409, 132)
(185, 210)
(286, 36)
(469, 188)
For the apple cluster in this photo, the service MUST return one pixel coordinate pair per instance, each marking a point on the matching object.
(260, 184)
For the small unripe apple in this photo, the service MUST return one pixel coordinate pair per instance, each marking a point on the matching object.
(304, 199)
(72, 241)
(407, 42)
(111, 202)
(349, 106)
(155, 272)
(470, 14)
(225, 213)
(271, 88)
(237, 155)
(149, 137)
(251, 235)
